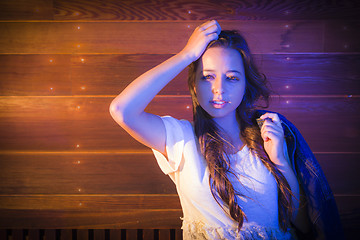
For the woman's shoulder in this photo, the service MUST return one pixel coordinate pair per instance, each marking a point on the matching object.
(172, 123)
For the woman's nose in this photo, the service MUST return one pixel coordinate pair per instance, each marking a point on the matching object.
(217, 87)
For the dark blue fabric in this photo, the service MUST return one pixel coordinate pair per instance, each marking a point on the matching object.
(322, 209)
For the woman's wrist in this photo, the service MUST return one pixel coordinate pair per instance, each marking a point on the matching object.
(281, 162)
(187, 56)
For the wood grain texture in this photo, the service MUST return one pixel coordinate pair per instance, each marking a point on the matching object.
(203, 10)
(99, 234)
(26, 10)
(141, 10)
(134, 219)
(131, 234)
(148, 234)
(65, 164)
(95, 234)
(86, 174)
(84, 123)
(115, 234)
(164, 234)
(50, 234)
(34, 234)
(35, 75)
(26, 179)
(3, 234)
(347, 38)
(129, 37)
(66, 75)
(89, 202)
(128, 219)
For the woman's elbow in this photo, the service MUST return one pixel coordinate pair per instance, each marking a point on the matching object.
(117, 112)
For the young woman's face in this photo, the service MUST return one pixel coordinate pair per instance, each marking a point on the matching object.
(220, 81)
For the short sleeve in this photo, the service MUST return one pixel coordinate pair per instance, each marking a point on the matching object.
(174, 146)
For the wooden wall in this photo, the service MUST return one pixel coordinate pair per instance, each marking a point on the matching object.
(65, 164)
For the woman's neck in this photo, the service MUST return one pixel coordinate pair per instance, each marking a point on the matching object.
(231, 127)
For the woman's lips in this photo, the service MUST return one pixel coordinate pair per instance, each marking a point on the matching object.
(218, 103)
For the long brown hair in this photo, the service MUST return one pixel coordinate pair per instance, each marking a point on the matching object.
(214, 144)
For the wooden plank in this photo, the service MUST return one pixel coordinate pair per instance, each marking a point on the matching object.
(298, 74)
(17, 234)
(131, 234)
(348, 206)
(3, 234)
(53, 118)
(349, 209)
(152, 37)
(164, 234)
(35, 75)
(311, 74)
(202, 10)
(82, 234)
(50, 234)
(115, 234)
(66, 234)
(84, 123)
(34, 234)
(124, 219)
(96, 174)
(315, 116)
(148, 234)
(99, 234)
(26, 10)
(176, 10)
(178, 234)
(340, 171)
(110, 74)
(89, 202)
(118, 174)
(346, 32)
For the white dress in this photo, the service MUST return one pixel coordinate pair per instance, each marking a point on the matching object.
(203, 218)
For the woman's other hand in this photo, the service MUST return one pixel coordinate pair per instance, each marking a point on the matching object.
(273, 136)
(200, 38)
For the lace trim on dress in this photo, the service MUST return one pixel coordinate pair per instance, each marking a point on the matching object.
(199, 231)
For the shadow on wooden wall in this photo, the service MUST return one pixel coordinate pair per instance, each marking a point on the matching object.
(65, 164)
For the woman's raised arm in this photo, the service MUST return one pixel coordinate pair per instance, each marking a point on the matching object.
(128, 107)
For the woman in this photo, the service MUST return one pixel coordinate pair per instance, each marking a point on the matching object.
(231, 166)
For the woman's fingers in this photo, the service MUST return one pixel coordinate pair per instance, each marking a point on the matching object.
(273, 116)
(210, 28)
(212, 36)
(271, 128)
(205, 26)
(270, 136)
(200, 38)
(270, 132)
(218, 27)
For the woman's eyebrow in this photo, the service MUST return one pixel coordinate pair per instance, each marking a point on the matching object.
(235, 71)
(230, 71)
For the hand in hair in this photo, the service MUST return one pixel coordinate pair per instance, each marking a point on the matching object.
(200, 38)
(273, 136)
(128, 108)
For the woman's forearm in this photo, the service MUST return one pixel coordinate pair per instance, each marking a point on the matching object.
(287, 171)
(138, 94)
(133, 100)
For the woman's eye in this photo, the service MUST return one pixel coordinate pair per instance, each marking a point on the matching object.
(233, 78)
(207, 77)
